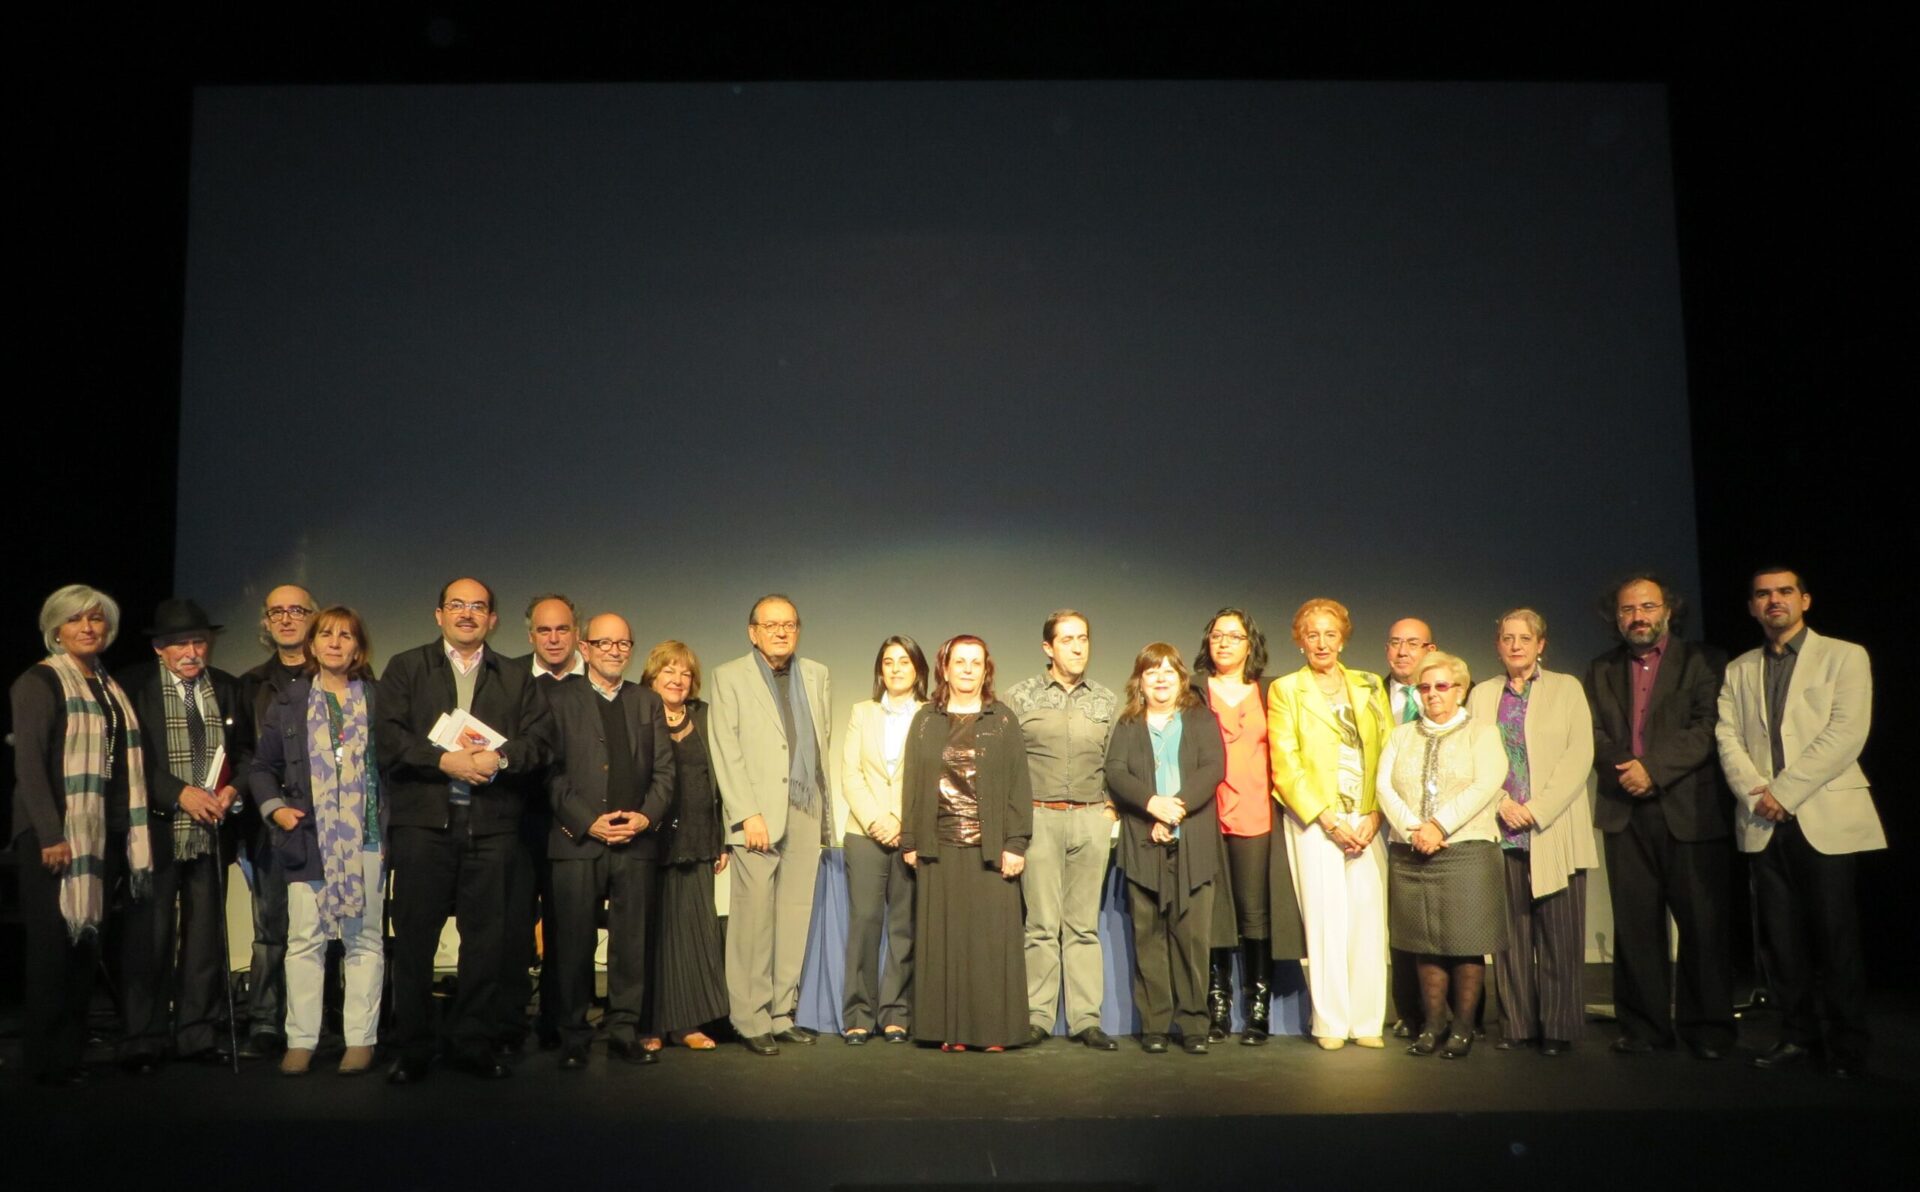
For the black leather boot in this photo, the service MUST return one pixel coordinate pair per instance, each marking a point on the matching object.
(1219, 994)
(1256, 963)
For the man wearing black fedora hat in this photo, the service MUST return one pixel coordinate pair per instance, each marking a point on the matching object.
(189, 713)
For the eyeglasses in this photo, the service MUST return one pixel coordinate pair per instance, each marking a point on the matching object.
(778, 626)
(289, 612)
(1221, 638)
(468, 606)
(1423, 688)
(1407, 643)
(611, 645)
(1650, 606)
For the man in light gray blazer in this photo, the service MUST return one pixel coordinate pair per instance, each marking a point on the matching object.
(1793, 718)
(771, 728)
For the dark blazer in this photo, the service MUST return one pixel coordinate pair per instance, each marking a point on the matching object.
(280, 776)
(415, 690)
(141, 682)
(577, 779)
(1203, 765)
(259, 687)
(1680, 755)
(1005, 787)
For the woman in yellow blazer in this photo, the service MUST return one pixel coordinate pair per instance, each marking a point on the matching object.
(1325, 727)
(879, 884)
(1546, 836)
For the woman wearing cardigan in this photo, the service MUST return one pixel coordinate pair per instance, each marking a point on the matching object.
(1165, 762)
(1439, 779)
(879, 884)
(1259, 905)
(1546, 835)
(1325, 726)
(315, 780)
(80, 834)
(968, 803)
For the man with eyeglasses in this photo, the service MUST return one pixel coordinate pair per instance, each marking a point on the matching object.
(611, 786)
(1408, 641)
(285, 615)
(1664, 813)
(552, 631)
(772, 726)
(456, 822)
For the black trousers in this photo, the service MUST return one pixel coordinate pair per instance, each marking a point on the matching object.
(879, 902)
(1652, 873)
(1539, 972)
(629, 885)
(1170, 953)
(437, 872)
(530, 901)
(190, 966)
(1810, 920)
(267, 975)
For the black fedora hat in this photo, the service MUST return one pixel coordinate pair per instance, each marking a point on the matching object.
(175, 617)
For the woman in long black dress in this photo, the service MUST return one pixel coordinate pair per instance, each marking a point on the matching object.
(969, 814)
(689, 975)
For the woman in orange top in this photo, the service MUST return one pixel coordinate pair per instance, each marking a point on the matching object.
(1265, 919)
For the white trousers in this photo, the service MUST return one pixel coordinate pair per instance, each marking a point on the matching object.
(1343, 905)
(365, 964)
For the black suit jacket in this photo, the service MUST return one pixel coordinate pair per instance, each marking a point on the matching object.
(260, 687)
(1680, 755)
(416, 689)
(1203, 765)
(141, 682)
(577, 780)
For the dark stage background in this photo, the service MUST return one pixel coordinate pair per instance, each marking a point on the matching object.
(1407, 306)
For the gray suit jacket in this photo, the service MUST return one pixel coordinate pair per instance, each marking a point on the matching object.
(749, 744)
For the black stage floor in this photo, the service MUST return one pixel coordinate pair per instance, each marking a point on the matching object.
(830, 1116)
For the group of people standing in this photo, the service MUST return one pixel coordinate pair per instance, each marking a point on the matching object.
(1326, 814)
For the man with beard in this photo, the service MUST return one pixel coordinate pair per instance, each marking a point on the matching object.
(1666, 818)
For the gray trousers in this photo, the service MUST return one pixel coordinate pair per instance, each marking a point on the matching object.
(1539, 973)
(771, 905)
(1066, 868)
(879, 900)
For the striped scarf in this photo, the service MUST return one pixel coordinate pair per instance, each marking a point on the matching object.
(337, 765)
(191, 838)
(85, 758)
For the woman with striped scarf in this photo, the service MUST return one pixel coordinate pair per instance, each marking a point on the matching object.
(80, 828)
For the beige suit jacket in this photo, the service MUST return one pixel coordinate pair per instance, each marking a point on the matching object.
(1559, 731)
(750, 745)
(1829, 708)
(869, 790)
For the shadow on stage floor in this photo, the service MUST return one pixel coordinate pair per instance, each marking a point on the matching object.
(830, 1116)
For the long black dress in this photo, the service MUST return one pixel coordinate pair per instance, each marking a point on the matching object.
(690, 978)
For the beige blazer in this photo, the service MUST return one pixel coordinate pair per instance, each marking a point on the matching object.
(870, 791)
(1559, 729)
(749, 744)
(1823, 728)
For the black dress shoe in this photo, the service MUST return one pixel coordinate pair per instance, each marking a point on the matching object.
(894, 1034)
(482, 1064)
(857, 1038)
(1628, 1045)
(1098, 1040)
(796, 1035)
(1194, 1044)
(262, 1044)
(550, 1039)
(1782, 1055)
(1401, 1030)
(1036, 1035)
(140, 1065)
(72, 1078)
(1426, 1044)
(212, 1057)
(1554, 1047)
(406, 1071)
(1706, 1051)
(506, 1048)
(1153, 1044)
(761, 1044)
(573, 1059)
(635, 1052)
(1513, 1044)
(1843, 1069)
(1457, 1047)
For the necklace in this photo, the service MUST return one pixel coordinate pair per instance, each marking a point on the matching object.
(676, 718)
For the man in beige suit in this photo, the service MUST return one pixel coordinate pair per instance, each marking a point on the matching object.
(772, 725)
(1793, 718)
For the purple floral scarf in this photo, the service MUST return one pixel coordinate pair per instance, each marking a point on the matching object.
(339, 776)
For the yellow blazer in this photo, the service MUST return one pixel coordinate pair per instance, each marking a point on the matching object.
(1304, 740)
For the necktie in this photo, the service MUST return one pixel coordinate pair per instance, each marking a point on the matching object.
(196, 734)
(1410, 711)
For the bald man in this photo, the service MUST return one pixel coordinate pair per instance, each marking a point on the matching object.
(1408, 641)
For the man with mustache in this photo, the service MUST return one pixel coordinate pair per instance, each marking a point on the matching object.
(456, 823)
(1408, 641)
(1666, 818)
(1793, 719)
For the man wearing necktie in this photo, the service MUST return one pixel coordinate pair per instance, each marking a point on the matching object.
(1408, 641)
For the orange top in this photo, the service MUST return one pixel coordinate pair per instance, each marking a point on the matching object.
(1245, 799)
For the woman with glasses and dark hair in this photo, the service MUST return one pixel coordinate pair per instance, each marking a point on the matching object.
(1256, 906)
(690, 969)
(1165, 763)
(967, 800)
(1440, 779)
(879, 884)
(316, 780)
(80, 833)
